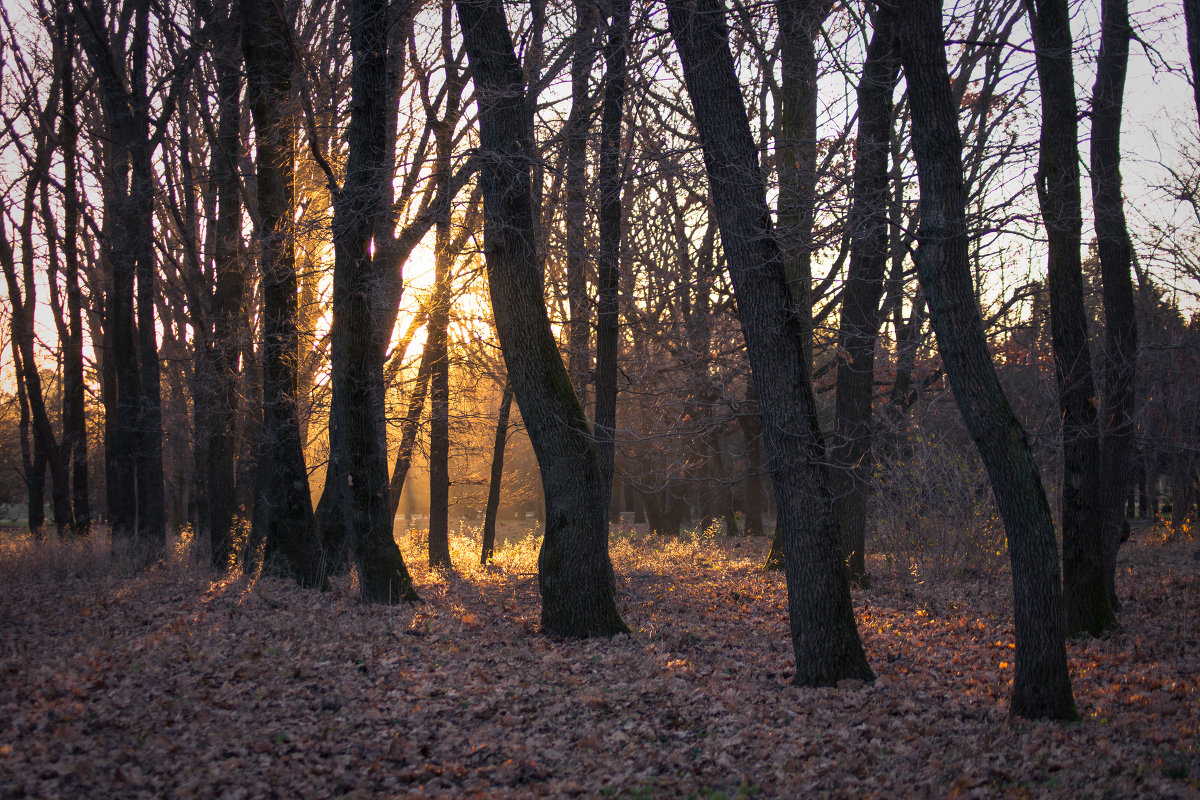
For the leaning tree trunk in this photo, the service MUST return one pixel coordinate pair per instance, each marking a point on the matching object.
(1042, 683)
(1084, 590)
(408, 432)
(283, 514)
(1116, 260)
(824, 635)
(359, 438)
(493, 500)
(869, 251)
(574, 569)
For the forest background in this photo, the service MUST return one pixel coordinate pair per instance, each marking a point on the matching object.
(280, 275)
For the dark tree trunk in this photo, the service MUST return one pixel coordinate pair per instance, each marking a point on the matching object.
(1042, 684)
(438, 349)
(124, 222)
(824, 635)
(869, 252)
(493, 500)
(74, 440)
(359, 438)
(1084, 590)
(574, 569)
(608, 180)
(283, 513)
(575, 205)
(227, 317)
(751, 431)
(151, 491)
(796, 149)
(22, 296)
(1116, 259)
(33, 461)
(1191, 17)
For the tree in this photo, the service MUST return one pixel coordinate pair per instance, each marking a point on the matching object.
(868, 223)
(1041, 684)
(283, 513)
(1084, 589)
(137, 510)
(824, 635)
(574, 569)
(1116, 260)
(359, 339)
(497, 473)
(609, 257)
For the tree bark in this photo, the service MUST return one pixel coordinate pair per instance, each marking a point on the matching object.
(608, 259)
(358, 339)
(575, 206)
(497, 474)
(283, 513)
(824, 635)
(1116, 260)
(1084, 589)
(408, 432)
(574, 569)
(1191, 18)
(869, 252)
(796, 149)
(1042, 684)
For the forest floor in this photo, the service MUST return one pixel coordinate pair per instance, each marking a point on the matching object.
(170, 684)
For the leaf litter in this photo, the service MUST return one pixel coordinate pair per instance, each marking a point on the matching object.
(171, 684)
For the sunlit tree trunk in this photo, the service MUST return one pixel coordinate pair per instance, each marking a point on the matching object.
(358, 435)
(824, 634)
(1116, 259)
(1084, 589)
(859, 328)
(283, 513)
(408, 431)
(1042, 684)
(574, 569)
(497, 474)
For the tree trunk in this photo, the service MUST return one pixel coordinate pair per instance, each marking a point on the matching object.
(151, 491)
(438, 349)
(74, 440)
(1042, 684)
(608, 261)
(1116, 259)
(226, 314)
(493, 501)
(1084, 589)
(574, 569)
(1191, 18)
(283, 514)
(408, 432)
(358, 435)
(575, 205)
(796, 150)
(824, 635)
(851, 453)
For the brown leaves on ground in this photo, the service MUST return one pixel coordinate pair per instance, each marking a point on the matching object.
(167, 684)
